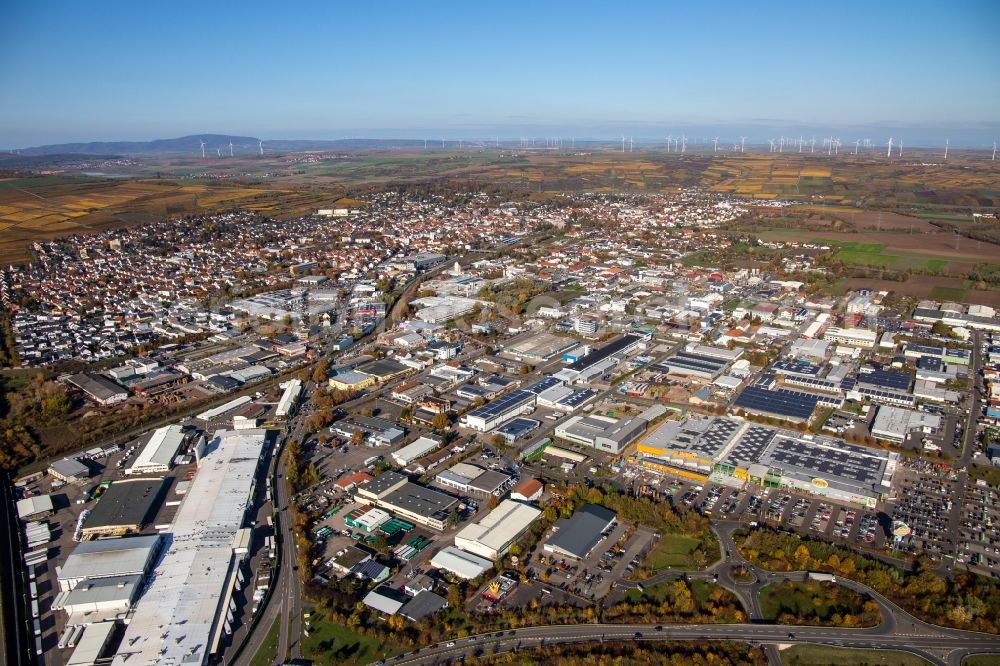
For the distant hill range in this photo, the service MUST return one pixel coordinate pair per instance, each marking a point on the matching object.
(214, 144)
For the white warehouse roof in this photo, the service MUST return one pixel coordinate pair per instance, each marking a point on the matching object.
(191, 582)
(159, 452)
(30, 506)
(293, 388)
(494, 532)
(462, 564)
(414, 450)
(108, 557)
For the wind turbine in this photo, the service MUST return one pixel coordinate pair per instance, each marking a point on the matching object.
(670, 139)
(856, 145)
(716, 142)
(743, 143)
(800, 143)
(684, 143)
(202, 148)
(772, 145)
(829, 146)
(946, 148)
(230, 148)
(631, 146)
(889, 152)
(812, 145)
(781, 144)
(218, 151)
(260, 144)
(994, 151)
(900, 148)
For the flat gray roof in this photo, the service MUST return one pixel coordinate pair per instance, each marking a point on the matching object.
(578, 534)
(127, 502)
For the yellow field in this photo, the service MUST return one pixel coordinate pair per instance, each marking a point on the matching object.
(49, 210)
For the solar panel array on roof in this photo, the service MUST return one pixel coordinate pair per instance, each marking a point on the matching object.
(924, 349)
(812, 382)
(885, 396)
(621, 344)
(503, 404)
(791, 404)
(845, 462)
(684, 360)
(887, 379)
(709, 440)
(751, 446)
(542, 384)
(518, 427)
(576, 398)
(797, 369)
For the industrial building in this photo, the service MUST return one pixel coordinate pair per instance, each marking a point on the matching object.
(688, 448)
(69, 470)
(501, 410)
(564, 398)
(384, 370)
(92, 645)
(601, 432)
(794, 406)
(100, 389)
(699, 448)
(493, 534)
(539, 347)
(416, 449)
(460, 563)
(35, 507)
(576, 536)
(895, 423)
(473, 481)
(126, 507)
(853, 337)
(395, 493)
(109, 558)
(198, 573)
(698, 361)
(290, 395)
(157, 455)
(599, 361)
(99, 599)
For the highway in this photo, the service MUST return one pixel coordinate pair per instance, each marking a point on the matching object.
(942, 647)
(898, 629)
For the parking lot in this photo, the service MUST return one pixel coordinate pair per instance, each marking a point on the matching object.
(980, 549)
(614, 558)
(922, 499)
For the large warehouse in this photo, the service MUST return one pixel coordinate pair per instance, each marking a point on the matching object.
(462, 564)
(697, 448)
(501, 410)
(602, 432)
(493, 534)
(157, 456)
(197, 575)
(124, 508)
(576, 536)
(109, 558)
(395, 493)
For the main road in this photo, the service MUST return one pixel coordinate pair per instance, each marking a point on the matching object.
(942, 647)
(898, 630)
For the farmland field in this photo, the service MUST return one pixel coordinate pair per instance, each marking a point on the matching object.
(938, 251)
(46, 207)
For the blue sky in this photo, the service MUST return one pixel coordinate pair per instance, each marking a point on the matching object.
(79, 71)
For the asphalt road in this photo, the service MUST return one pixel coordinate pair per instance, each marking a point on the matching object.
(898, 630)
(942, 647)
